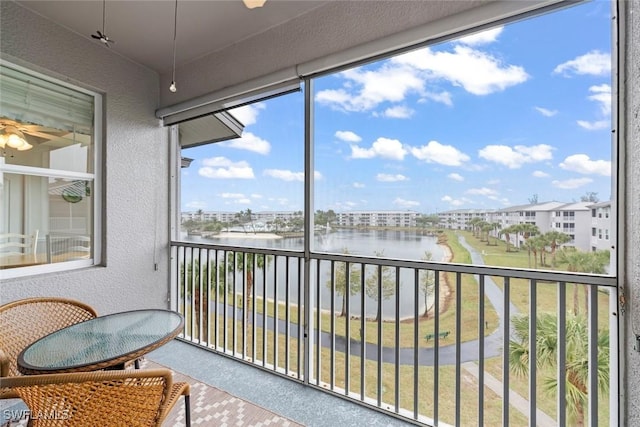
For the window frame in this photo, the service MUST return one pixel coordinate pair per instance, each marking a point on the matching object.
(95, 178)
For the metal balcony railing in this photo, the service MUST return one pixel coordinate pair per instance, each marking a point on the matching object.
(431, 343)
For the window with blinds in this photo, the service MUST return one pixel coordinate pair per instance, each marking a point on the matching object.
(47, 172)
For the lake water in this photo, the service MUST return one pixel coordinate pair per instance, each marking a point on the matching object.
(394, 244)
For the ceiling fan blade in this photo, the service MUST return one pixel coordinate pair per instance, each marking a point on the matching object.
(96, 37)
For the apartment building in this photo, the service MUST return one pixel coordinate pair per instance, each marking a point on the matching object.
(589, 225)
(602, 226)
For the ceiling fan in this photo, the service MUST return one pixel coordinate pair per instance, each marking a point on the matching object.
(23, 137)
(102, 36)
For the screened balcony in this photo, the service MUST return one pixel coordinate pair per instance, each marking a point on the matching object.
(422, 362)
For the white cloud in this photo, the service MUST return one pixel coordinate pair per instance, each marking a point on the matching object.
(545, 112)
(477, 72)
(382, 147)
(594, 63)
(223, 168)
(452, 201)
(484, 191)
(482, 37)
(515, 157)
(384, 177)
(398, 112)
(250, 142)
(581, 163)
(364, 90)
(232, 195)
(248, 114)
(455, 176)
(405, 203)
(434, 152)
(358, 185)
(594, 125)
(443, 97)
(287, 175)
(602, 95)
(540, 174)
(347, 136)
(571, 184)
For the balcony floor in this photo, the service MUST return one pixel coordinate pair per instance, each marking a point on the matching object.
(259, 397)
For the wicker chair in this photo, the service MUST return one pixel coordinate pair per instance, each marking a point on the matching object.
(25, 321)
(127, 398)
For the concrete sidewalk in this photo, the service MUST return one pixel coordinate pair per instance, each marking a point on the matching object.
(515, 400)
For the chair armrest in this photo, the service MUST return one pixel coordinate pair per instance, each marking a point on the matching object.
(4, 364)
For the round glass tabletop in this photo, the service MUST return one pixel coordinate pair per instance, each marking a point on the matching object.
(98, 341)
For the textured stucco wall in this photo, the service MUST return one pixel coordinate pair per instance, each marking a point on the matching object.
(136, 176)
(631, 115)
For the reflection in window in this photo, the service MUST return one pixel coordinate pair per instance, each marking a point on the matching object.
(46, 170)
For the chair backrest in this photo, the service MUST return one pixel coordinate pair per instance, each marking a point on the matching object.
(67, 247)
(18, 244)
(87, 399)
(25, 321)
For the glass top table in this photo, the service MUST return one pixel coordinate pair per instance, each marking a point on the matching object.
(101, 343)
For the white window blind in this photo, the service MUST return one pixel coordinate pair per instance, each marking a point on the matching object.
(29, 99)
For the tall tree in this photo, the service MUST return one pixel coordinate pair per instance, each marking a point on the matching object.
(576, 339)
(536, 244)
(583, 262)
(528, 231)
(508, 232)
(380, 280)
(244, 261)
(555, 239)
(486, 228)
(427, 283)
(590, 196)
(533, 199)
(196, 283)
(346, 285)
(474, 222)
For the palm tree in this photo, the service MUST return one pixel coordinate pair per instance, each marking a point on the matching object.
(380, 277)
(249, 219)
(474, 223)
(536, 245)
(584, 262)
(245, 262)
(528, 230)
(576, 338)
(555, 239)
(496, 232)
(508, 231)
(345, 285)
(193, 283)
(427, 283)
(574, 259)
(486, 228)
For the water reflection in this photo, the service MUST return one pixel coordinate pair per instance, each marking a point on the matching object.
(287, 276)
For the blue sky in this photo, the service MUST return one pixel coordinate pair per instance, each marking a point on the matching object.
(485, 121)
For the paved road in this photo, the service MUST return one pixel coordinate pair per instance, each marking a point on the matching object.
(469, 350)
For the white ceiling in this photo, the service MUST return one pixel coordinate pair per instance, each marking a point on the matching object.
(143, 29)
